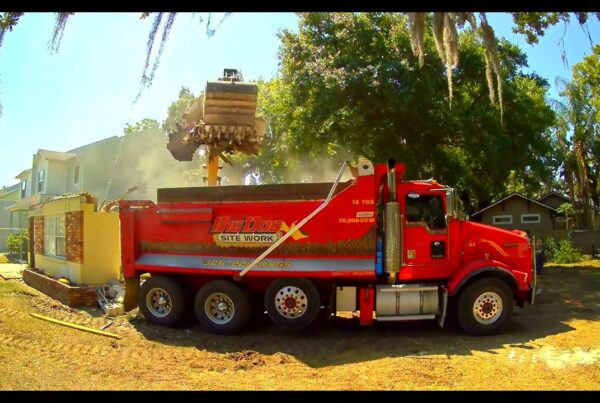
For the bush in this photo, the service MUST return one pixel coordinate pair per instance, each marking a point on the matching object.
(550, 249)
(565, 252)
(17, 242)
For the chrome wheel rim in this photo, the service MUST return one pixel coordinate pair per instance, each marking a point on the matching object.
(291, 302)
(487, 308)
(219, 308)
(159, 302)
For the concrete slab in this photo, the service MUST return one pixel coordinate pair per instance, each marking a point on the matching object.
(11, 270)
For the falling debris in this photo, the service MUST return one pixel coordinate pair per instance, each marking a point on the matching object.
(109, 324)
(110, 298)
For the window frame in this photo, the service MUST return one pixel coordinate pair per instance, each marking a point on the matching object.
(55, 236)
(41, 179)
(23, 189)
(410, 221)
(537, 215)
(502, 216)
(76, 174)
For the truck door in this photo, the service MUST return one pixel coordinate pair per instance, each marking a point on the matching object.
(425, 233)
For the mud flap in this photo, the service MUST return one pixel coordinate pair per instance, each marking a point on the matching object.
(534, 287)
(132, 292)
(442, 316)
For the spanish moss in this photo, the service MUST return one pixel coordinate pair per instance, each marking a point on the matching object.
(416, 23)
(438, 34)
(149, 45)
(491, 53)
(451, 48)
(163, 40)
(210, 32)
(59, 30)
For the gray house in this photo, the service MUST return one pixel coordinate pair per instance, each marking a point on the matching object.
(130, 166)
(8, 196)
(554, 199)
(517, 211)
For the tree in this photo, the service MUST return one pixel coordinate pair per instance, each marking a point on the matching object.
(349, 85)
(178, 108)
(569, 212)
(141, 126)
(577, 131)
(17, 242)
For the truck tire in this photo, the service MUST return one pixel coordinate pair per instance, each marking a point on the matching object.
(484, 306)
(292, 303)
(163, 300)
(222, 307)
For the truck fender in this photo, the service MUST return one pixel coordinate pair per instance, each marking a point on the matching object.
(475, 268)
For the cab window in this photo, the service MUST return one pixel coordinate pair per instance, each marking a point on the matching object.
(427, 209)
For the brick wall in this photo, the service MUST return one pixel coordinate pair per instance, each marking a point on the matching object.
(74, 236)
(68, 295)
(38, 235)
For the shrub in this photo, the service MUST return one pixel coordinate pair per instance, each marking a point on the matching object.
(566, 253)
(550, 249)
(17, 241)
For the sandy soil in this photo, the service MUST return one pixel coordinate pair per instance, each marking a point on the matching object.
(553, 345)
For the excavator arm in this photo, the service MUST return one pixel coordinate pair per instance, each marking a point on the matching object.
(225, 122)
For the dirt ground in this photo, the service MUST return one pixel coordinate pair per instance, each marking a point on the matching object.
(553, 345)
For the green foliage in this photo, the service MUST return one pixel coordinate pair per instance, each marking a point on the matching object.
(566, 209)
(533, 25)
(550, 249)
(177, 109)
(566, 253)
(350, 85)
(7, 22)
(587, 74)
(16, 242)
(561, 251)
(577, 134)
(141, 126)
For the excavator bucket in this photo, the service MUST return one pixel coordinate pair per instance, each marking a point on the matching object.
(230, 103)
(228, 121)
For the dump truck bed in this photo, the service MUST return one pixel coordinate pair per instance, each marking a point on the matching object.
(220, 230)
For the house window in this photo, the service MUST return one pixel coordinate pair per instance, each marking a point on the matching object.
(530, 218)
(23, 189)
(76, 175)
(502, 219)
(54, 236)
(41, 176)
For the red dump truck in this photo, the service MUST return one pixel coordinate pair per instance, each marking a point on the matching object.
(377, 245)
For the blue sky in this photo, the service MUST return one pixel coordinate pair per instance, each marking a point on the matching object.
(85, 92)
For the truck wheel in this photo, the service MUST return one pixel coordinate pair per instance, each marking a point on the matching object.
(292, 303)
(222, 307)
(163, 300)
(484, 306)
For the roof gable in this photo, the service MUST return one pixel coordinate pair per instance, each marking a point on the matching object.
(96, 143)
(10, 189)
(55, 155)
(23, 174)
(514, 194)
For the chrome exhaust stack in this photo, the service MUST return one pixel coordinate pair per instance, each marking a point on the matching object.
(393, 249)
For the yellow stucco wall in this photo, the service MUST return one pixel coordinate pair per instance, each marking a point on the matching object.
(59, 267)
(101, 247)
(101, 244)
